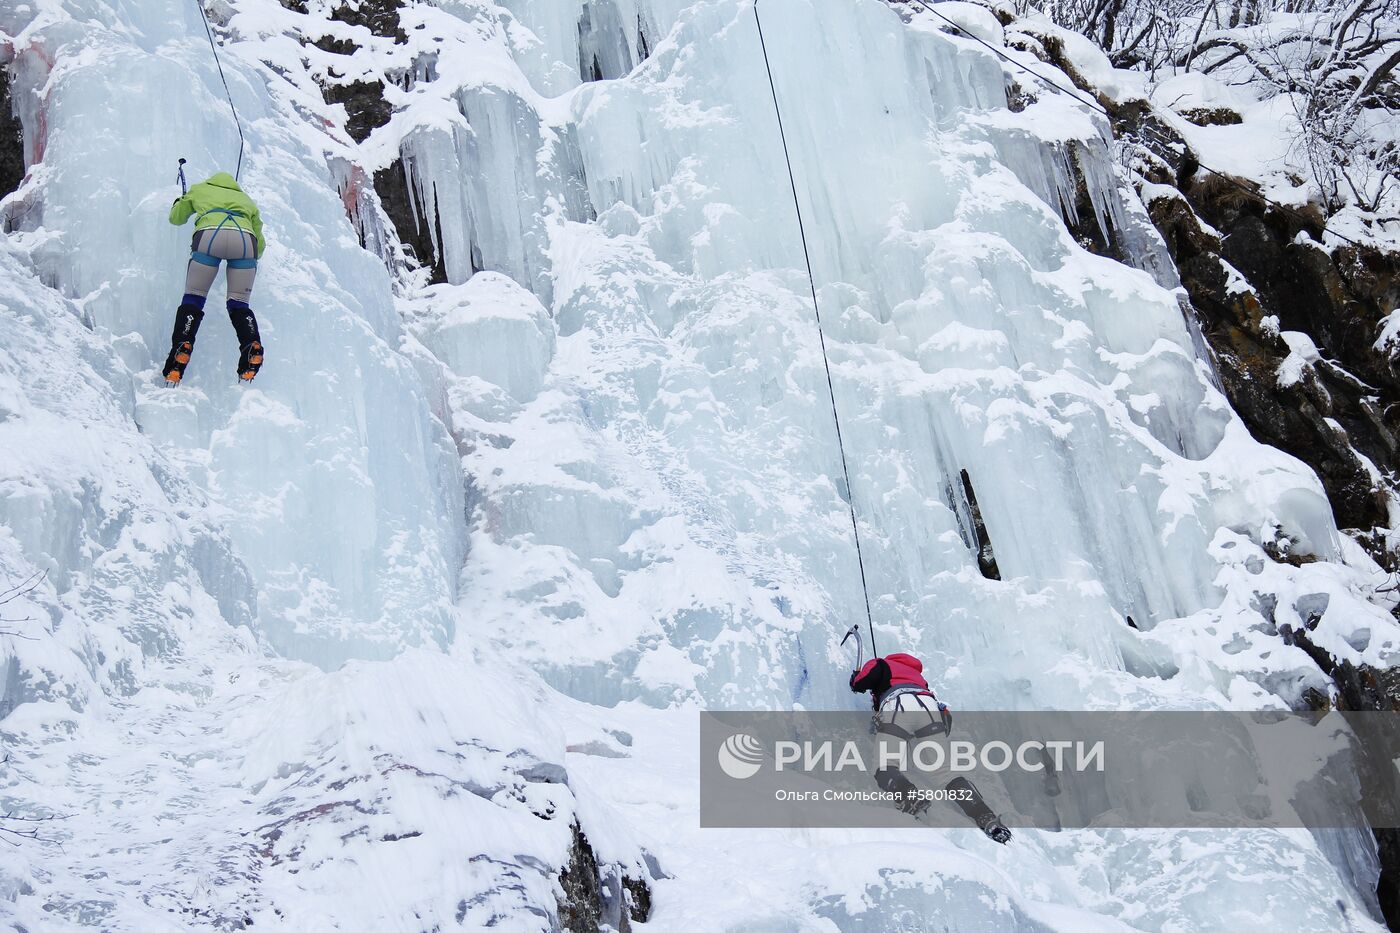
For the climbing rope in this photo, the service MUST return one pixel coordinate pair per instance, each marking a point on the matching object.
(1095, 105)
(821, 333)
(962, 31)
(227, 93)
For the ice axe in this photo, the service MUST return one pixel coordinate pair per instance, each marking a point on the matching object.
(860, 644)
(184, 188)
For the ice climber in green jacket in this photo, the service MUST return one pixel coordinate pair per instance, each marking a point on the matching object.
(227, 228)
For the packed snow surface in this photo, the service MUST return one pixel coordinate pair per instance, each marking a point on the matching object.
(353, 648)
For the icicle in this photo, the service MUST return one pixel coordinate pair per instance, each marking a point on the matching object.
(604, 47)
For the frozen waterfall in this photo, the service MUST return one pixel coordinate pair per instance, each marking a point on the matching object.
(354, 647)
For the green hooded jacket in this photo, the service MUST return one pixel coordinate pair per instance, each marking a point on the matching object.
(219, 192)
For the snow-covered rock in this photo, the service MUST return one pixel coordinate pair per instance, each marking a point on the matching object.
(491, 328)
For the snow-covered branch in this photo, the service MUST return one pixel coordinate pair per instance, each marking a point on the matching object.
(1336, 64)
(18, 591)
(15, 828)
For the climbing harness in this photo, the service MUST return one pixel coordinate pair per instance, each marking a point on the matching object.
(821, 334)
(227, 93)
(206, 259)
(940, 718)
(1095, 105)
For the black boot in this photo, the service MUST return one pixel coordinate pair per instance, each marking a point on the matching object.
(992, 825)
(907, 796)
(250, 355)
(187, 320)
(970, 801)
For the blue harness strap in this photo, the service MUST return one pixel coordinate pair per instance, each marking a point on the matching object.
(207, 259)
(228, 215)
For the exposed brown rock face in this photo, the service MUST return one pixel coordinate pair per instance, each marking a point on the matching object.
(366, 110)
(1212, 116)
(11, 140)
(1252, 272)
(986, 557)
(1259, 272)
(363, 100)
(409, 220)
(591, 900)
(1365, 688)
(364, 104)
(1258, 279)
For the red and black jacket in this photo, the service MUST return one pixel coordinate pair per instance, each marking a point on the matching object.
(878, 675)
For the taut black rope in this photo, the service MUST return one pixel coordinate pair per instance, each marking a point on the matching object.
(238, 170)
(821, 333)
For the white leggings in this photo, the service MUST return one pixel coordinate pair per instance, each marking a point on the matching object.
(225, 243)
